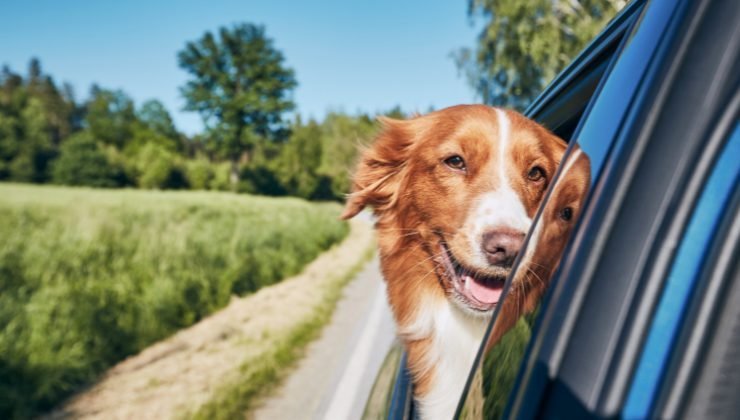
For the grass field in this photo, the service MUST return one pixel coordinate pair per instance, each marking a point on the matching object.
(88, 277)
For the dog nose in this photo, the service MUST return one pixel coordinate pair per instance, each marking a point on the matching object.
(501, 246)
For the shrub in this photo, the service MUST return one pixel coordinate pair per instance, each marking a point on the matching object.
(159, 168)
(82, 162)
(199, 173)
(261, 178)
(221, 174)
(21, 168)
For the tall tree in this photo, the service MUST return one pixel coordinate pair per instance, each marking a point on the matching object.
(300, 158)
(34, 117)
(341, 140)
(241, 87)
(154, 116)
(110, 116)
(524, 44)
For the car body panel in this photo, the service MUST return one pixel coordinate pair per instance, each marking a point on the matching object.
(681, 280)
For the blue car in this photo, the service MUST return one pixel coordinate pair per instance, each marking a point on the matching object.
(639, 315)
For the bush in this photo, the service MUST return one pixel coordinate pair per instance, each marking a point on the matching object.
(88, 277)
(221, 174)
(261, 178)
(22, 169)
(199, 173)
(82, 162)
(159, 168)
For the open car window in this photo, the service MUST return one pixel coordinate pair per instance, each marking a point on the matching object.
(562, 108)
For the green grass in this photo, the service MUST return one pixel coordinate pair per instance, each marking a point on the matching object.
(88, 277)
(261, 374)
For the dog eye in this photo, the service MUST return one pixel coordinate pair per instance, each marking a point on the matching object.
(536, 174)
(455, 162)
(566, 214)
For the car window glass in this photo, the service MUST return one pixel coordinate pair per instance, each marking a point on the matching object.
(507, 341)
(503, 350)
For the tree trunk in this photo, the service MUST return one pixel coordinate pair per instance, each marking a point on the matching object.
(234, 173)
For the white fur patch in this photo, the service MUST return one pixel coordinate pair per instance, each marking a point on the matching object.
(504, 132)
(455, 342)
(501, 208)
(423, 323)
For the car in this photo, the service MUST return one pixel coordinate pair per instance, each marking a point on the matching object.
(640, 316)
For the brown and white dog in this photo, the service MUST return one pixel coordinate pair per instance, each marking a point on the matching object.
(454, 193)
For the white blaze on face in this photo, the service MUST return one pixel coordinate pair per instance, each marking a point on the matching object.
(502, 207)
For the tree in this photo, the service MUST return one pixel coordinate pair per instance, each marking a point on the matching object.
(34, 117)
(343, 135)
(110, 116)
(36, 150)
(159, 168)
(240, 86)
(82, 162)
(524, 44)
(154, 116)
(299, 160)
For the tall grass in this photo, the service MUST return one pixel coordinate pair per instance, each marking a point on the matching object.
(88, 277)
(260, 374)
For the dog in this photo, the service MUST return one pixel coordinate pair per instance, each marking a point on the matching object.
(453, 193)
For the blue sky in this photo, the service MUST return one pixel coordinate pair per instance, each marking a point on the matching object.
(348, 55)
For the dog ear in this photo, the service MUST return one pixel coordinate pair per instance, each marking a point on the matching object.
(378, 176)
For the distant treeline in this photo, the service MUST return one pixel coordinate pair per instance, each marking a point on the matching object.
(47, 135)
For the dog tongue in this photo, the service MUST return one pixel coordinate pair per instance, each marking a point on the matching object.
(482, 293)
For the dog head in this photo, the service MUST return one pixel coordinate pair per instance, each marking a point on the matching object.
(463, 184)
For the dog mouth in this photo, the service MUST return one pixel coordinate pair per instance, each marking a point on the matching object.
(479, 291)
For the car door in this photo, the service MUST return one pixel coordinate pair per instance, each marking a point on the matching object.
(572, 334)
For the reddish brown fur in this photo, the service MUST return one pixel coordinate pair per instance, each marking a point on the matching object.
(417, 199)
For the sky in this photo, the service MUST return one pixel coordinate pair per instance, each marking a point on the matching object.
(350, 56)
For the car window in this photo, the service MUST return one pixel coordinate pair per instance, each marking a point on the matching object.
(507, 341)
(503, 350)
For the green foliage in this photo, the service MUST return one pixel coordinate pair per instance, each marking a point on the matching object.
(107, 141)
(33, 118)
(220, 180)
(299, 160)
(159, 168)
(240, 86)
(155, 116)
(314, 163)
(343, 137)
(88, 277)
(524, 44)
(501, 366)
(110, 116)
(199, 173)
(260, 178)
(83, 162)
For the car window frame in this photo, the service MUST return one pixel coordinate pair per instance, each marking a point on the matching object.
(596, 60)
(546, 365)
